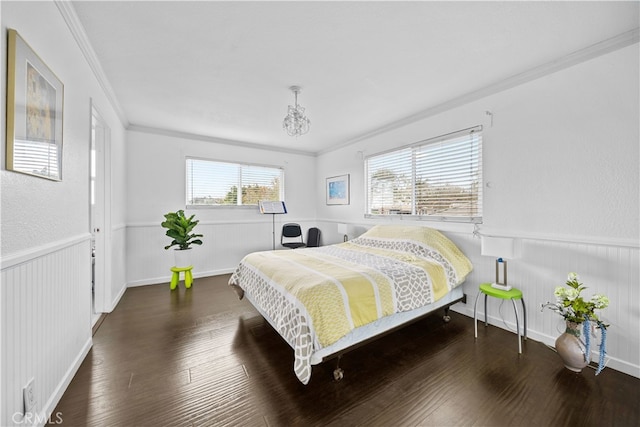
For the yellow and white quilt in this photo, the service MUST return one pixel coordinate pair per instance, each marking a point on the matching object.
(315, 296)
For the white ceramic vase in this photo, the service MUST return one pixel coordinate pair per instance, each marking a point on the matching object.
(570, 348)
(182, 257)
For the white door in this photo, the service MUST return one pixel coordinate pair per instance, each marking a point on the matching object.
(99, 218)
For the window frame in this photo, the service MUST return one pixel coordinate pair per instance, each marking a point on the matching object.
(412, 191)
(237, 164)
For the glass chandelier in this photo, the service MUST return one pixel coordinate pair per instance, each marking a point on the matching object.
(296, 123)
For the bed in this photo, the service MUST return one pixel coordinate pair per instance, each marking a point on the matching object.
(324, 301)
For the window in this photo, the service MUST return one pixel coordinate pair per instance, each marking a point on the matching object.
(439, 178)
(211, 183)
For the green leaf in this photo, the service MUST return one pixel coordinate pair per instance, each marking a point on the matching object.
(179, 228)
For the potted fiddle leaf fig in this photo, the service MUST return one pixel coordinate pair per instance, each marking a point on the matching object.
(180, 229)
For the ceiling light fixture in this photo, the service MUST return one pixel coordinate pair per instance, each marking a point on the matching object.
(296, 123)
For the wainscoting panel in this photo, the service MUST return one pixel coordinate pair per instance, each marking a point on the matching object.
(46, 323)
(224, 245)
(543, 265)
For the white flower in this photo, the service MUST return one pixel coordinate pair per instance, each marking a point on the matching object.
(572, 294)
(600, 301)
(560, 293)
(570, 305)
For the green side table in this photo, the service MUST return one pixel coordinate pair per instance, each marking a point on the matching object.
(175, 278)
(513, 294)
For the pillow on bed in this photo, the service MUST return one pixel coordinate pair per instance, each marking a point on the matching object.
(420, 241)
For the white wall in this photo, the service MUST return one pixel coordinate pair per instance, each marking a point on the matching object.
(562, 164)
(116, 179)
(156, 183)
(560, 158)
(45, 295)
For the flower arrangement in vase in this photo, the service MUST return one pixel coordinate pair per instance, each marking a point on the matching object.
(577, 311)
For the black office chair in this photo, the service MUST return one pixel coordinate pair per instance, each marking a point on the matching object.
(313, 237)
(292, 231)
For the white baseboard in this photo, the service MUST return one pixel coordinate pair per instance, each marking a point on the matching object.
(167, 278)
(612, 362)
(116, 300)
(47, 412)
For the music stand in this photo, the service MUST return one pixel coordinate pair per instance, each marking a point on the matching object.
(273, 208)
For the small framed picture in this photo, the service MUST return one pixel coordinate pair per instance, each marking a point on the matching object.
(338, 190)
(34, 113)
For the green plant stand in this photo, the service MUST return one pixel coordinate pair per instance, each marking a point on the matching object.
(175, 278)
(513, 294)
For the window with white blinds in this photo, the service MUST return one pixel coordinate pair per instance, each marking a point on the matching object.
(439, 178)
(213, 183)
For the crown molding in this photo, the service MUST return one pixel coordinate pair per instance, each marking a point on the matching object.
(232, 142)
(69, 15)
(77, 30)
(598, 49)
(604, 47)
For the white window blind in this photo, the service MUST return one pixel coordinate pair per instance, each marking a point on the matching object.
(213, 183)
(37, 157)
(439, 178)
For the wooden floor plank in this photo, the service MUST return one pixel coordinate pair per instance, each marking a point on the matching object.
(201, 357)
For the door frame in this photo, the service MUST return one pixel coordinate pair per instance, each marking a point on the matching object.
(100, 140)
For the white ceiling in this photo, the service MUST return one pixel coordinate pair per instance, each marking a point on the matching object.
(223, 69)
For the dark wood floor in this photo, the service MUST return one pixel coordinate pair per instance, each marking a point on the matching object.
(201, 357)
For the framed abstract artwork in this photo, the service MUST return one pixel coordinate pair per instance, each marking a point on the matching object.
(35, 101)
(338, 190)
